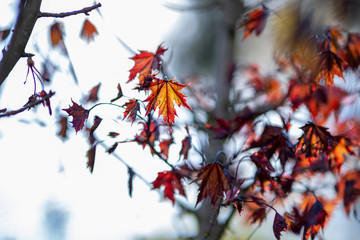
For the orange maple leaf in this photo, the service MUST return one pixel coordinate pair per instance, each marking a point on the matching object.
(214, 183)
(56, 33)
(163, 94)
(255, 21)
(88, 31)
(145, 62)
(329, 65)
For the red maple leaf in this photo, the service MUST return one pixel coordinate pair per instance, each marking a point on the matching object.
(145, 62)
(214, 183)
(163, 94)
(79, 115)
(255, 21)
(132, 107)
(171, 181)
(88, 31)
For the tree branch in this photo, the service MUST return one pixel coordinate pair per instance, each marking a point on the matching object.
(28, 106)
(85, 10)
(29, 11)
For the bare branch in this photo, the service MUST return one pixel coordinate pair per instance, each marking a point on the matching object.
(28, 14)
(28, 106)
(85, 10)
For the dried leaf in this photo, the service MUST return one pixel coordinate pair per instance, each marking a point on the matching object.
(97, 121)
(113, 134)
(145, 62)
(88, 31)
(214, 183)
(90, 154)
(79, 115)
(171, 181)
(93, 95)
(119, 95)
(163, 94)
(63, 122)
(4, 34)
(255, 20)
(112, 148)
(130, 181)
(279, 225)
(186, 145)
(56, 33)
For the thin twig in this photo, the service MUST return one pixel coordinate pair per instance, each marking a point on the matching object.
(85, 10)
(28, 106)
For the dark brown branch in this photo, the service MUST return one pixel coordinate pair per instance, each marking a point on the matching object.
(85, 10)
(28, 106)
(28, 14)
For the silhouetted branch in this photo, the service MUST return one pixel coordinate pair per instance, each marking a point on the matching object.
(85, 10)
(28, 105)
(28, 14)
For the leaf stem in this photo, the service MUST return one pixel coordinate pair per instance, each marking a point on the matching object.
(98, 104)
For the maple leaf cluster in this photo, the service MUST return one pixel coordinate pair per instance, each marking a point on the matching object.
(279, 165)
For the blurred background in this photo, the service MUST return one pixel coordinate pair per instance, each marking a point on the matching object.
(46, 191)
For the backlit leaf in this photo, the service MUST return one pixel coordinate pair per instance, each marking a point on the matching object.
(163, 94)
(214, 183)
(315, 141)
(145, 62)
